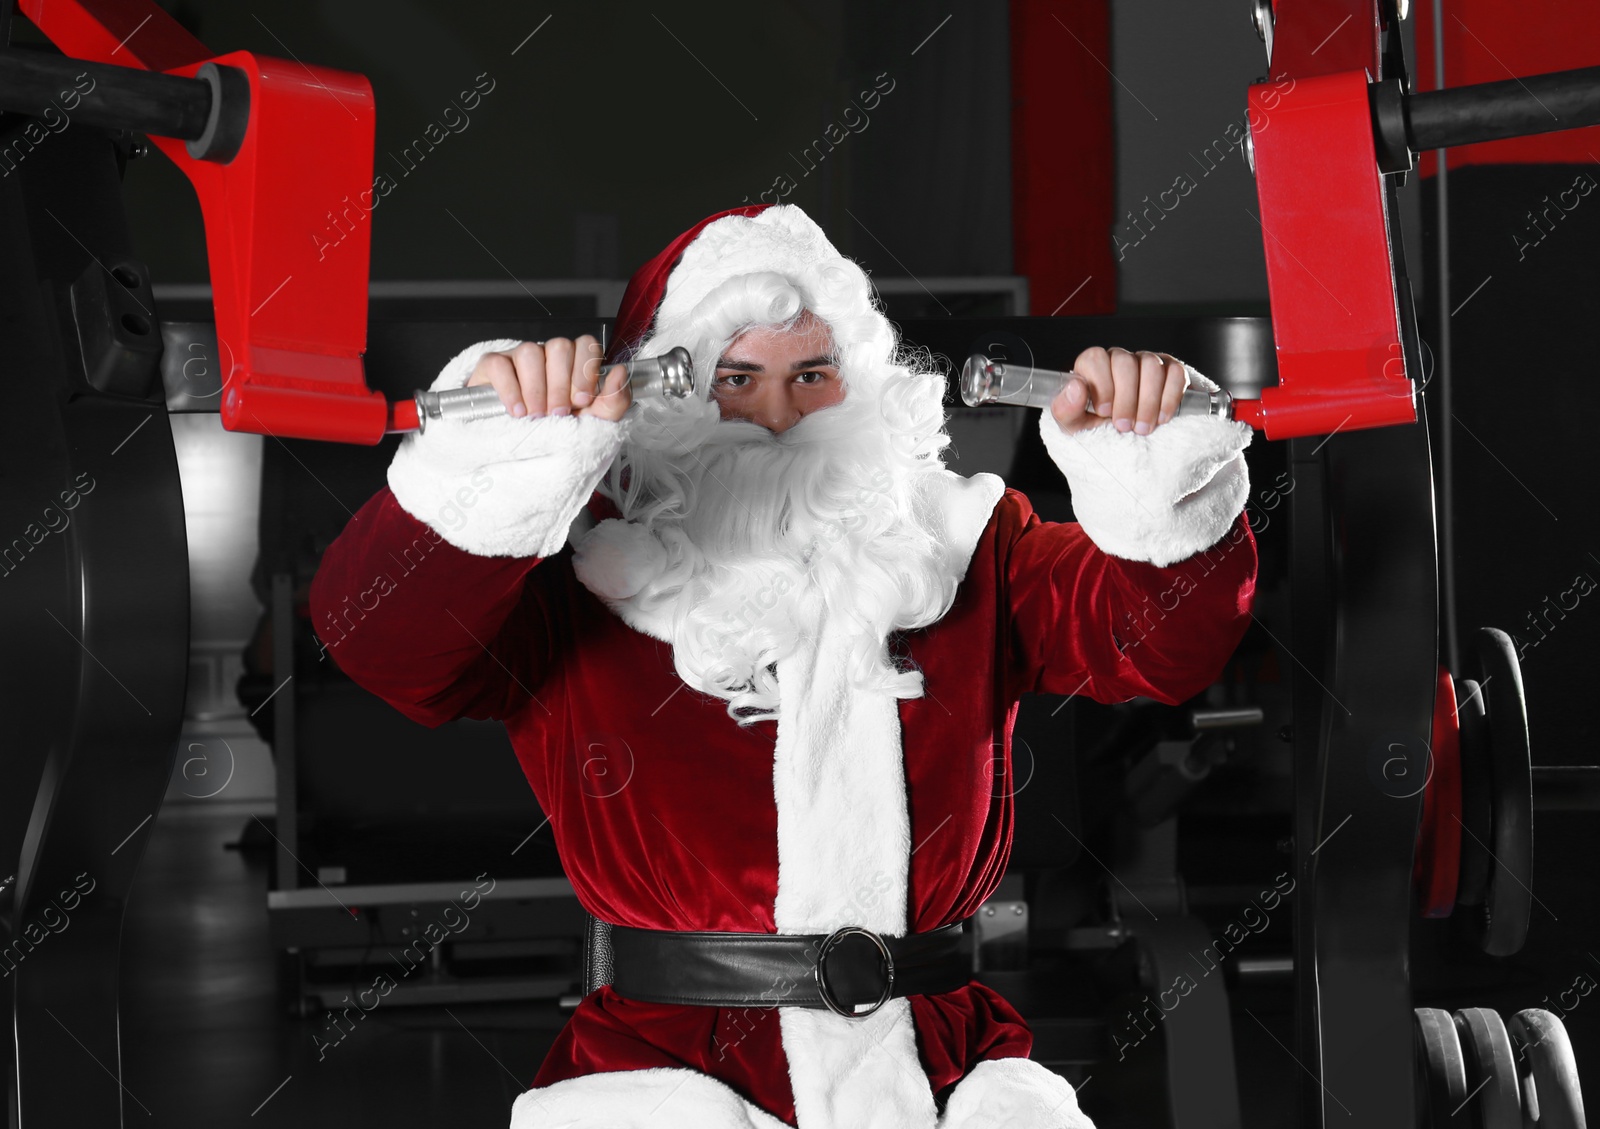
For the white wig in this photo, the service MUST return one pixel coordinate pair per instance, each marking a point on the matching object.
(747, 533)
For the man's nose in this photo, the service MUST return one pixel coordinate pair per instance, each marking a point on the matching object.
(776, 410)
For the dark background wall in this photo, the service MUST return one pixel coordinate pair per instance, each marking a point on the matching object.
(1180, 75)
(609, 127)
(617, 125)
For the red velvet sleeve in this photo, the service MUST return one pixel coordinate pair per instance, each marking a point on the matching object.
(435, 631)
(1085, 622)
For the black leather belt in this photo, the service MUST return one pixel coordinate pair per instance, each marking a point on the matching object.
(851, 971)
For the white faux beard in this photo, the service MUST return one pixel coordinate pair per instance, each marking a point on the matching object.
(780, 525)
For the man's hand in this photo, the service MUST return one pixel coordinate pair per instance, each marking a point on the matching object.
(555, 377)
(1138, 391)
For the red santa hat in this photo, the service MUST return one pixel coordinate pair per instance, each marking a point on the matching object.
(676, 296)
(637, 314)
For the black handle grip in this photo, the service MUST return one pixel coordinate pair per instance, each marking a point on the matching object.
(1408, 124)
(1517, 107)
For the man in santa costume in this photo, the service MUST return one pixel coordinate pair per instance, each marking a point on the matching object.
(756, 652)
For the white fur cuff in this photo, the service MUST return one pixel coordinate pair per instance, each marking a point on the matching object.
(1000, 1093)
(502, 487)
(1161, 497)
(656, 1098)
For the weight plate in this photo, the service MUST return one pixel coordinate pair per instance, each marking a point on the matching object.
(1509, 900)
(1441, 1069)
(1539, 1042)
(1491, 1069)
(1477, 813)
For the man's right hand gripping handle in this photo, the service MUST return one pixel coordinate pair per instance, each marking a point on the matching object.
(421, 599)
(511, 487)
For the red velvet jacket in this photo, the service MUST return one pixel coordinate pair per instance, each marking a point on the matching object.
(662, 807)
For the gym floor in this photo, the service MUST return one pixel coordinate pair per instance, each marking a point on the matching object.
(204, 1041)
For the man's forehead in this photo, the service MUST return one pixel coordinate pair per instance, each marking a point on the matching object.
(808, 340)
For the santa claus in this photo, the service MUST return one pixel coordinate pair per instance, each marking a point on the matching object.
(759, 654)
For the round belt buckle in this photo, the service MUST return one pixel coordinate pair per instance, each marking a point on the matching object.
(828, 945)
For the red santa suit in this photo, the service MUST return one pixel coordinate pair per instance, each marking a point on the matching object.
(508, 588)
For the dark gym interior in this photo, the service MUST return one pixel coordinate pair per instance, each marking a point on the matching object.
(253, 838)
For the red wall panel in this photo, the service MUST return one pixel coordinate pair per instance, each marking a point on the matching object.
(1063, 160)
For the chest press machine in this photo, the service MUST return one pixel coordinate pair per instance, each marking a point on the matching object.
(98, 611)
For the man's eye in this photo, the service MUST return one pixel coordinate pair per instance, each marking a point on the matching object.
(728, 380)
(820, 377)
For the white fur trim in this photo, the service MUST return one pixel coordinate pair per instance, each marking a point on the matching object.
(617, 558)
(962, 506)
(659, 1098)
(502, 487)
(782, 239)
(1004, 1093)
(844, 850)
(844, 837)
(1161, 497)
(856, 1073)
